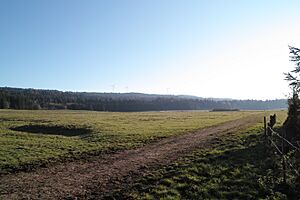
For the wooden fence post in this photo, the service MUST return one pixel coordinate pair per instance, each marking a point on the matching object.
(265, 126)
(283, 157)
(284, 169)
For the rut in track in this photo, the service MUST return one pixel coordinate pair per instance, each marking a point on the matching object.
(80, 178)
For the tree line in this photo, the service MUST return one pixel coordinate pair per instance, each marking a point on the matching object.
(33, 99)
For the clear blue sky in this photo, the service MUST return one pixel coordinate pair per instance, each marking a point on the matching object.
(208, 48)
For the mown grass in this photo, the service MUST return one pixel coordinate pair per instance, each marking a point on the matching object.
(108, 132)
(238, 165)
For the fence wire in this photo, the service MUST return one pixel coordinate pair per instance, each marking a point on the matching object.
(286, 159)
(287, 141)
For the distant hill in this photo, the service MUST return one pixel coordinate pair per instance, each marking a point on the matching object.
(18, 98)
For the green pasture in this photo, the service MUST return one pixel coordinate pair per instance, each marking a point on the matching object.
(237, 165)
(28, 138)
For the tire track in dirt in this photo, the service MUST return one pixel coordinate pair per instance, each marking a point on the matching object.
(82, 178)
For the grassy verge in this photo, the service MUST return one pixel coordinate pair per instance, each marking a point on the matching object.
(237, 166)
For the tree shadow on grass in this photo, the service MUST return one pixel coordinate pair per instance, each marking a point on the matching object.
(240, 168)
(260, 167)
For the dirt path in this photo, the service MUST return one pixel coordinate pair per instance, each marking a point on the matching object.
(81, 178)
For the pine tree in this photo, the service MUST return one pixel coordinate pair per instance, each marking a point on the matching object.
(293, 77)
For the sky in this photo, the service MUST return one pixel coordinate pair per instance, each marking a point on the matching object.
(208, 48)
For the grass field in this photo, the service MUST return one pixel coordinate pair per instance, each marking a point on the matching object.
(238, 165)
(31, 138)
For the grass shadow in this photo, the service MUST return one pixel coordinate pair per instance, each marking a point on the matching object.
(68, 131)
(234, 168)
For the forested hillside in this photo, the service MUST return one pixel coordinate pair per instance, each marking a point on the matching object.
(17, 98)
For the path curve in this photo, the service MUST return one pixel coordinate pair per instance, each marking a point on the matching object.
(79, 178)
